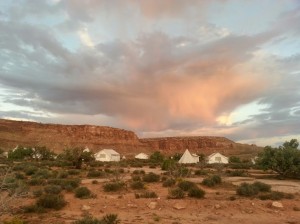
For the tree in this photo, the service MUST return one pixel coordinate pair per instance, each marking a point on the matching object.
(157, 157)
(284, 160)
(234, 159)
(77, 156)
(20, 153)
(42, 153)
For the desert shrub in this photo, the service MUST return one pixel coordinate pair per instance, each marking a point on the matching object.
(53, 201)
(212, 181)
(73, 172)
(95, 182)
(15, 221)
(146, 194)
(186, 185)
(247, 190)
(245, 166)
(262, 187)
(275, 195)
(169, 182)
(88, 220)
(42, 173)
(62, 174)
(95, 173)
(19, 176)
(151, 177)
(82, 192)
(33, 209)
(201, 172)
(113, 186)
(137, 185)
(138, 172)
(37, 193)
(236, 173)
(175, 193)
(36, 181)
(136, 178)
(30, 170)
(110, 219)
(52, 189)
(196, 192)
(67, 184)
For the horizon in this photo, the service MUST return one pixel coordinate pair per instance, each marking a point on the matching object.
(161, 69)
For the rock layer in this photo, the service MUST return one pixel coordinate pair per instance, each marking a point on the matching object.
(58, 137)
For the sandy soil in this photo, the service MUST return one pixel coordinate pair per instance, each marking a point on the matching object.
(215, 208)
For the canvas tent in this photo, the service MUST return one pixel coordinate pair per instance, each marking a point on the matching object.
(217, 158)
(107, 155)
(187, 157)
(142, 156)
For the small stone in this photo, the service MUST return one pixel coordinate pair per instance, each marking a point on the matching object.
(85, 208)
(152, 205)
(179, 206)
(276, 204)
(217, 206)
(130, 205)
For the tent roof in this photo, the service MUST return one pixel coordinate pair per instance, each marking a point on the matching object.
(187, 157)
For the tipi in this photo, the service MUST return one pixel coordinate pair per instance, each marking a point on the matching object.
(187, 157)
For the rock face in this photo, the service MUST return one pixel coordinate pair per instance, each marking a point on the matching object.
(59, 137)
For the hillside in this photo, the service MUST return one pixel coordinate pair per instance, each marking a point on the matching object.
(58, 137)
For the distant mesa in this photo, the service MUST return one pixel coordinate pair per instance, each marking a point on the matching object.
(58, 137)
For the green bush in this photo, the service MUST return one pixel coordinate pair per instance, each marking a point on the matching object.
(247, 190)
(196, 192)
(138, 172)
(151, 177)
(186, 185)
(212, 181)
(201, 172)
(107, 219)
(113, 186)
(30, 170)
(37, 193)
(169, 182)
(95, 173)
(52, 189)
(19, 176)
(62, 174)
(73, 172)
(236, 173)
(275, 195)
(33, 209)
(42, 173)
(136, 178)
(175, 193)
(262, 187)
(137, 185)
(36, 182)
(53, 201)
(15, 221)
(82, 192)
(66, 184)
(146, 194)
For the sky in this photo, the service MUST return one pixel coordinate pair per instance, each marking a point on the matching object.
(160, 68)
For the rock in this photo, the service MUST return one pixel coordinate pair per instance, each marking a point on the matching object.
(276, 204)
(131, 205)
(152, 205)
(85, 208)
(179, 206)
(217, 206)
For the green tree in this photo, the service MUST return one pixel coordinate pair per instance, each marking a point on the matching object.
(157, 157)
(42, 153)
(77, 156)
(20, 153)
(234, 159)
(284, 160)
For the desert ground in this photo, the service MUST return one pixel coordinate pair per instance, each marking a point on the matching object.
(220, 204)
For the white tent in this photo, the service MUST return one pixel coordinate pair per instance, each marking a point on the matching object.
(107, 155)
(142, 156)
(187, 157)
(217, 158)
